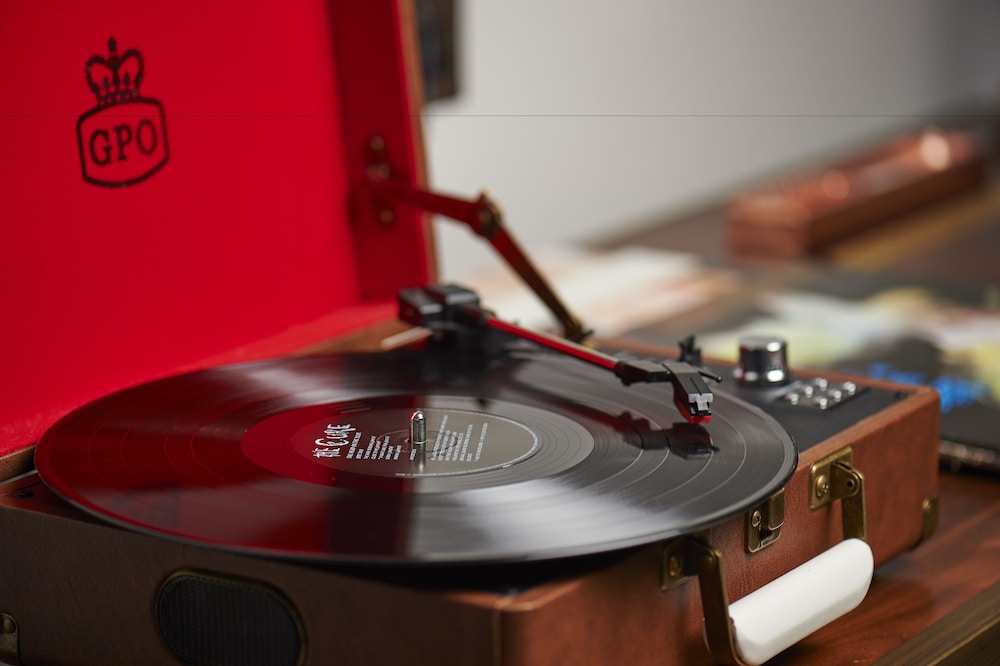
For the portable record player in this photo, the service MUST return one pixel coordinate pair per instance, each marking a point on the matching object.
(227, 184)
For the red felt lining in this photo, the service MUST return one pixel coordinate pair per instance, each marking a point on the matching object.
(239, 247)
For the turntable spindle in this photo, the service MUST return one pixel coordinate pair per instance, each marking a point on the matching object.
(418, 429)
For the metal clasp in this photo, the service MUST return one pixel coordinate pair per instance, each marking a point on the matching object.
(763, 523)
(833, 478)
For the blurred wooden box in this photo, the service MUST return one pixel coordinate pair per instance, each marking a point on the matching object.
(804, 215)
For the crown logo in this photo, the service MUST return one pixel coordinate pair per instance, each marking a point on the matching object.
(115, 79)
(123, 139)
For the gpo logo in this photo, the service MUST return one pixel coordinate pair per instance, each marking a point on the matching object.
(123, 140)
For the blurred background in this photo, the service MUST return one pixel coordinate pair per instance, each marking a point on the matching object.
(590, 118)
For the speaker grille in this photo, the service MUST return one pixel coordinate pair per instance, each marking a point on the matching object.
(209, 620)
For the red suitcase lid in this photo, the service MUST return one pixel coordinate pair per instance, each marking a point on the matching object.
(175, 188)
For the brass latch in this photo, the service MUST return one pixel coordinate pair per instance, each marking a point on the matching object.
(833, 478)
(763, 523)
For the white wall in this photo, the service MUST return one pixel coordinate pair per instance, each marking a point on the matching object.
(588, 117)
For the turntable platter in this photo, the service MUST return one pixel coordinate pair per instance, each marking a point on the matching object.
(530, 456)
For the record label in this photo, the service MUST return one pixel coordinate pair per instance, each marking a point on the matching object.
(372, 437)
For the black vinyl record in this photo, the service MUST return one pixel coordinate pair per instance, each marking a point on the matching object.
(529, 456)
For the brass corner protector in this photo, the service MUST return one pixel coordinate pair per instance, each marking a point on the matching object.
(9, 653)
(930, 519)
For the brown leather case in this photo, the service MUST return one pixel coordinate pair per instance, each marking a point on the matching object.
(84, 592)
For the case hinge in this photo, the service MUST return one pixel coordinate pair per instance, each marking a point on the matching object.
(693, 556)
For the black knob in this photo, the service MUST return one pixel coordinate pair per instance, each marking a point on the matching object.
(763, 361)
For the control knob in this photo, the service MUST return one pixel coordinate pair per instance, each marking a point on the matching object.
(763, 362)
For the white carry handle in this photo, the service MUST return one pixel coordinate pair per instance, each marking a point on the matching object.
(762, 624)
(788, 609)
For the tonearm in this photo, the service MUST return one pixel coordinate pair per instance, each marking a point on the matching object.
(481, 215)
(450, 306)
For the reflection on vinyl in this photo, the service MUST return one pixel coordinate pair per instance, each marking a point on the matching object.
(528, 456)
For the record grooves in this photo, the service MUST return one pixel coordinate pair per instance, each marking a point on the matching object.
(530, 456)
